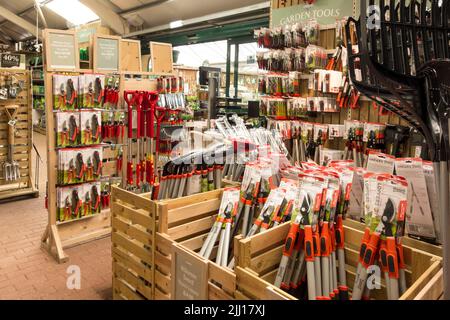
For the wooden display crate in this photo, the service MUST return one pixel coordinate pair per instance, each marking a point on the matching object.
(142, 259)
(258, 259)
(133, 243)
(186, 223)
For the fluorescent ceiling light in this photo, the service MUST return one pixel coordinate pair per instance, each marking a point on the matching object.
(73, 11)
(176, 24)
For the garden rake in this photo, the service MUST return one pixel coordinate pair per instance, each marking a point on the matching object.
(11, 169)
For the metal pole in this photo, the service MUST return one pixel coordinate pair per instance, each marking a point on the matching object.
(444, 201)
(236, 70)
(228, 72)
(212, 81)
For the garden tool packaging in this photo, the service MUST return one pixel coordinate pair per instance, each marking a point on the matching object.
(381, 163)
(65, 92)
(91, 127)
(68, 129)
(91, 91)
(385, 222)
(356, 196)
(221, 229)
(79, 165)
(111, 92)
(420, 217)
(78, 201)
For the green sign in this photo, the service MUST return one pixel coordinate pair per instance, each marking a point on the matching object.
(85, 35)
(62, 51)
(107, 54)
(323, 11)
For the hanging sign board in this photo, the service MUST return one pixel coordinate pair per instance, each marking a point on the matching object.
(189, 275)
(325, 12)
(12, 61)
(61, 50)
(106, 53)
(162, 57)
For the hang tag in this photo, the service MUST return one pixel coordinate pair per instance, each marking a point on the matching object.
(418, 152)
(12, 123)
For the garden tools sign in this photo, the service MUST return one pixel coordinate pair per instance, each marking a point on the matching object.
(323, 11)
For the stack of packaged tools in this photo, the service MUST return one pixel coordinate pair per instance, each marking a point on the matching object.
(192, 173)
(78, 201)
(253, 208)
(313, 260)
(385, 210)
(80, 102)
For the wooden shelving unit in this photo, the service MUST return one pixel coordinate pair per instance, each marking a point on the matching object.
(23, 141)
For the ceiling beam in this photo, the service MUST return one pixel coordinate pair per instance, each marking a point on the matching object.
(19, 21)
(108, 16)
(143, 7)
(206, 18)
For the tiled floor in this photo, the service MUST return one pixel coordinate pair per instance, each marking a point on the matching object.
(28, 272)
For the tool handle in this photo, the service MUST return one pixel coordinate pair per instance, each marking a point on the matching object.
(138, 174)
(153, 99)
(149, 172)
(371, 250)
(365, 240)
(290, 240)
(309, 244)
(339, 232)
(392, 258)
(126, 96)
(281, 271)
(325, 241)
(139, 119)
(130, 173)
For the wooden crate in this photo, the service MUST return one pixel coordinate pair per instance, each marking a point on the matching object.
(186, 222)
(142, 259)
(133, 243)
(258, 259)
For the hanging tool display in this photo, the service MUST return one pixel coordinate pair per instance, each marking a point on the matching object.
(133, 100)
(409, 78)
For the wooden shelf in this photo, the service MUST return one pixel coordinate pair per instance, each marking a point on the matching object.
(59, 223)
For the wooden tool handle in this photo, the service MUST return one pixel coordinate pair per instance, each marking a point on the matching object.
(11, 112)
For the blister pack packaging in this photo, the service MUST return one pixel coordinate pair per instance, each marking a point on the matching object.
(67, 129)
(91, 127)
(65, 92)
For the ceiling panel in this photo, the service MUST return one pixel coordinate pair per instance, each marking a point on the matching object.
(154, 16)
(188, 9)
(127, 4)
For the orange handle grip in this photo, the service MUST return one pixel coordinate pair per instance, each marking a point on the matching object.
(371, 250)
(383, 256)
(325, 241)
(364, 242)
(392, 258)
(290, 240)
(300, 240)
(339, 232)
(316, 244)
(309, 244)
(401, 257)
